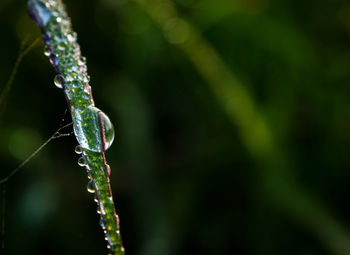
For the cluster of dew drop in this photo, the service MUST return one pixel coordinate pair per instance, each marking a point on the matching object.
(64, 53)
(92, 127)
(104, 208)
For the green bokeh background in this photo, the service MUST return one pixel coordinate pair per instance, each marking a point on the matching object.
(189, 175)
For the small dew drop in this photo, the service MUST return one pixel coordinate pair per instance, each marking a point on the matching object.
(78, 149)
(61, 46)
(91, 187)
(82, 161)
(72, 37)
(53, 60)
(86, 78)
(47, 51)
(58, 81)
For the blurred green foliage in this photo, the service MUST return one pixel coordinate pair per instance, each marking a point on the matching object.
(194, 171)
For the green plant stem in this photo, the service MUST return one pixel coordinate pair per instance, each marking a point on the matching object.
(88, 121)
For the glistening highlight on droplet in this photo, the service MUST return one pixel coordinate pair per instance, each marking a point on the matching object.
(82, 161)
(91, 187)
(78, 149)
(58, 81)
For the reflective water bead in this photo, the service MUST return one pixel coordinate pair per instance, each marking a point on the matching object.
(82, 161)
(47, 51)
(61, 45)
(78, 149)
(87, 124)
(91, 187)
(58, 81)
(72, 37)
(75, 84)
(109, 132)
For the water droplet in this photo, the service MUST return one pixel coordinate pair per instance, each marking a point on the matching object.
(91, 187)
(87, 125)
(81, 77)
(39, 12)
(58, 81)
(86, 78)
(82, 161)
(78, 149)
(108, 131)
(53, 60)
(72, 37)
(47, 51)
(61, 46)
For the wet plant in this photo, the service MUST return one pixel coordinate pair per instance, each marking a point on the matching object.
(92, 127)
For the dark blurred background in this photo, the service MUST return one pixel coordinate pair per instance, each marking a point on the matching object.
(232, 121)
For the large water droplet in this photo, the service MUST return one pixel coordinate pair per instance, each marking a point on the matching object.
(88, 124)
(39, 12)
(108, 129)
(61, 46)
(58, 81)
(91, 187)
